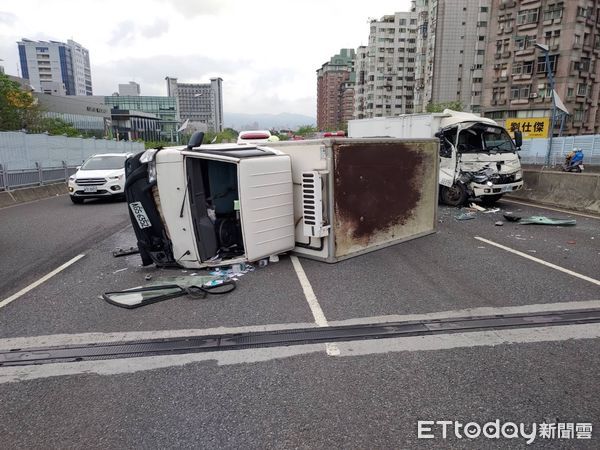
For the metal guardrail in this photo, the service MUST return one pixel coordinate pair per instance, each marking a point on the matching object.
(38, 176)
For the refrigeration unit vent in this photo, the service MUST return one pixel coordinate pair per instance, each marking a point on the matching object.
(312, 205)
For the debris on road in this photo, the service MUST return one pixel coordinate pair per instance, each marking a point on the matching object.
(540, 220)
(499, 223)
(476, 207)
(572, 242)
(170, 287)
(120, 270)
(148, 277)
(233, 272)
(492, 210)
(124, 251)
(465, 216)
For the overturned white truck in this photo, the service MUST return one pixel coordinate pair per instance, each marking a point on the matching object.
(209, 205)
(478, 159)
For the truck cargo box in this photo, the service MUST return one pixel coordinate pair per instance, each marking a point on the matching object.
(368, 193)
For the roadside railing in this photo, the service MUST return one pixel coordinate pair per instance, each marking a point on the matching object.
(38, 176)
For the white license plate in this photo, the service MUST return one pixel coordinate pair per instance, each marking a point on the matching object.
(140, 214)
(507, 189)
(90, 189)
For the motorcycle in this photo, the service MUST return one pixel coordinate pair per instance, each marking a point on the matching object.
(573, 161)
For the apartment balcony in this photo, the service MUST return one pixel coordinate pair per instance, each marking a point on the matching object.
(521, 101)
(527, 26)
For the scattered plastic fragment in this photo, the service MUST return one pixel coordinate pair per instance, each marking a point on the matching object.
(124, 251)
(571, 242)
(465, 216)
(120, 270)
(273, 258)
(540, 220)
(148, 277)
(263, 263)
(494, 210)
(476, 207)
(499, 223)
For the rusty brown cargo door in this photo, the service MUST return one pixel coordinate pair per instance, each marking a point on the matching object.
(384, 193)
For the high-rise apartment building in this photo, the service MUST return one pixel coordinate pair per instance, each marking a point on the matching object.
(516, 82)
(450, 53)
(55, 67)
(335, 91)
(199, 102)
(385, 68)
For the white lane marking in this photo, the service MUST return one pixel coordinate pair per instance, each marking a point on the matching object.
(467, 312)
(540, 261)
(313, 303)
(59, 340)
(35, 284)
(354, 348)
(566, 211)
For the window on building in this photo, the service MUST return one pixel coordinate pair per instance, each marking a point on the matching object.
(583, 64)
(519, 92)
(483, 9)
(523, 42)
(554, 11)
(582, 89)
(527, 16)
(541, 64)
(482, 24)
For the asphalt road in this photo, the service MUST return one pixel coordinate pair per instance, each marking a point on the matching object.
(39, 236)
(370, 395)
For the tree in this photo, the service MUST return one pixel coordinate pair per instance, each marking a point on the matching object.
(18, 108)
(55, 126)
(306, 130)
(440, 107)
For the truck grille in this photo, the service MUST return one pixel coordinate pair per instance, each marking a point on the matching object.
(504, 179)
(90, 181)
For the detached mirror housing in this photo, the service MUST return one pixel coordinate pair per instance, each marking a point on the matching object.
(518, 139)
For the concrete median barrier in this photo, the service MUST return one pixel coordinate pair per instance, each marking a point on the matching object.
(578, 191)
(16, 196)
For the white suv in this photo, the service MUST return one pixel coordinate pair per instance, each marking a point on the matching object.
(100, 176)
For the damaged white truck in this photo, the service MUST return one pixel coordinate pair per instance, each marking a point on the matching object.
(201, 206)
(478, 158)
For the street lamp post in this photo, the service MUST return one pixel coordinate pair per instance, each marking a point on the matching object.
(546, 49)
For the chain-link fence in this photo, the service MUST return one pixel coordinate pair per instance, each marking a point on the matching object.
(37, 159)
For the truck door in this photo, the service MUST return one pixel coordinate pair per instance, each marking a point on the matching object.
(448, 156)
(266, 203)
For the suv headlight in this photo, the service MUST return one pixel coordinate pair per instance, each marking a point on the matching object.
(152, 171)
(72, 178)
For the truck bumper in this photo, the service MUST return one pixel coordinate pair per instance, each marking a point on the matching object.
(483, 189)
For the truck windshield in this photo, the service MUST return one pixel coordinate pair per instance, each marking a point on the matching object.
(484, 138)
(105, 163)
(497, 139)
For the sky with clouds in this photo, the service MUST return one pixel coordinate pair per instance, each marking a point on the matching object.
(266, 51)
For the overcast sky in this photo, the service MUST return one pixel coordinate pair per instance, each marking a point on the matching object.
(266, 51)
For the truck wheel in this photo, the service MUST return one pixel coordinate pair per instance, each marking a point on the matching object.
(76, 200)
(455, 195)
(489, 200)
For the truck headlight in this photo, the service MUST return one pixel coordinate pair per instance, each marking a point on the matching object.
(518, 175)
